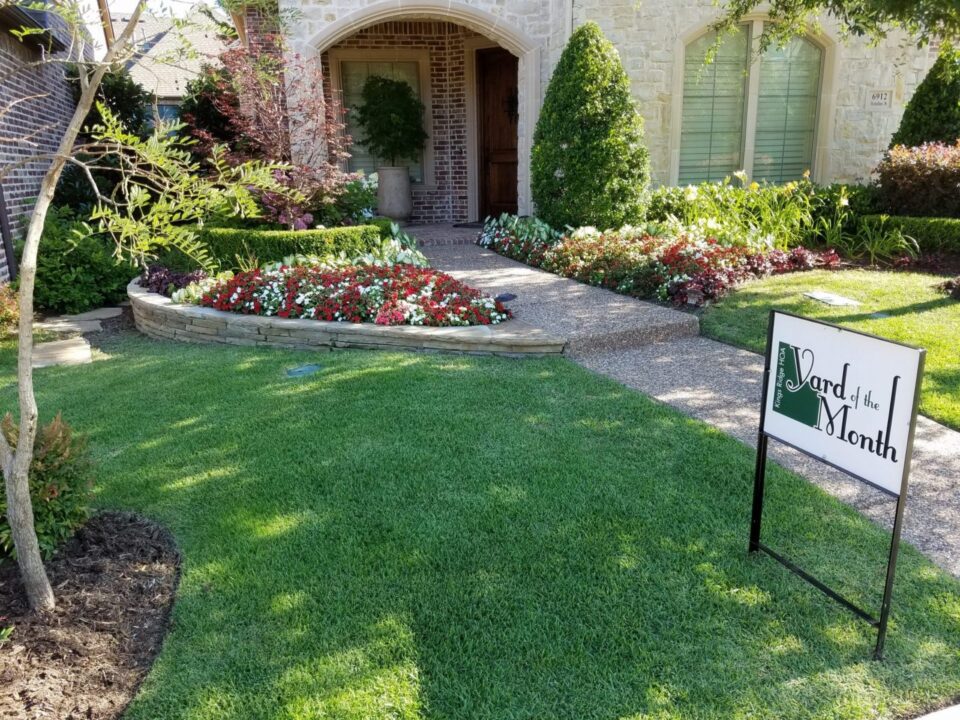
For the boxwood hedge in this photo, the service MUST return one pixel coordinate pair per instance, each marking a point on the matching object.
(229, 247)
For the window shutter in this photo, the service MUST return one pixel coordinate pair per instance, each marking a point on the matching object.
(787, 111)
(353, 76)
(714, 96)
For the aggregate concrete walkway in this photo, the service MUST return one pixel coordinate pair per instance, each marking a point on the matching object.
(708, 380)
(589, 318)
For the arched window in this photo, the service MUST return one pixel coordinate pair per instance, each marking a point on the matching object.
(760, 117)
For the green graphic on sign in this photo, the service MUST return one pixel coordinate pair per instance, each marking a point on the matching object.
(793, 395)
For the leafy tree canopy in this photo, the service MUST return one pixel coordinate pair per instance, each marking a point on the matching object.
(923, 19)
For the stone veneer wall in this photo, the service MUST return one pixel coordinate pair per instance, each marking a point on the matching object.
(445, 200)
(46, 115)
(648, 36)
(159, 317)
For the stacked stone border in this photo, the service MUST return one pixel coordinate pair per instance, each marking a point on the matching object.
(159, 317)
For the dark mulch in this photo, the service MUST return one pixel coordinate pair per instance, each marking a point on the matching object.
(114, 582)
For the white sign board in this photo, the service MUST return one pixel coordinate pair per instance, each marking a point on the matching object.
(844, 397)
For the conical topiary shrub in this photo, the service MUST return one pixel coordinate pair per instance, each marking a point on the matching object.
(589, 165)
(933, 113)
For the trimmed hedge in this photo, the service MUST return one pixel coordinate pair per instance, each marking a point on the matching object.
(933, 234)
(226, 245)
(589, 164)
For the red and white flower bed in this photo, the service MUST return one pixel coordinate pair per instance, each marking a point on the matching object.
(396, 295)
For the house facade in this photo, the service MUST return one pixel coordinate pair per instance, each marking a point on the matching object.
(822, 104)
(36, 103)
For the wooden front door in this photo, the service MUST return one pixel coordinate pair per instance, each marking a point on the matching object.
(498, 110)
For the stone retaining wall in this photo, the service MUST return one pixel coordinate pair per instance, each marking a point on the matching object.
(159, 317)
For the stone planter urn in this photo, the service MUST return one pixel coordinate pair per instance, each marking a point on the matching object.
(394, 198)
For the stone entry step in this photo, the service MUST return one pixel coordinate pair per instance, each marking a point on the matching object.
(591, 319)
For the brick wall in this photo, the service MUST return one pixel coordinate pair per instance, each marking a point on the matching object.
(50, 112)
(445, 200)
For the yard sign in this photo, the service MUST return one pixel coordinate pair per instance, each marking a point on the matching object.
(850, 400)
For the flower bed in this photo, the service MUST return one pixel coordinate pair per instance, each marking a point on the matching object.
(680, 269)
(394, 295)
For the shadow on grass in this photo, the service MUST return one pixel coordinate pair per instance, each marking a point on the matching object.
(440, 537)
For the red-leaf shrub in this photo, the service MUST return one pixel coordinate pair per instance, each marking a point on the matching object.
(164, 281)
(394, 295)
(923, 181)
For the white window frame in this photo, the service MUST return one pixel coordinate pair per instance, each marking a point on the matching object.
(421, 56)
(823, 128)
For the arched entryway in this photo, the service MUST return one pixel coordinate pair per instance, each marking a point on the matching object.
(480, 81)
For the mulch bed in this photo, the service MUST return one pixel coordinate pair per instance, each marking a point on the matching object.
(114, 583)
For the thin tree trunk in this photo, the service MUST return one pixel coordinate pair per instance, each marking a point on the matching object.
(16, 465)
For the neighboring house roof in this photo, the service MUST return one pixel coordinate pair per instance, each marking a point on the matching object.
(171, 54)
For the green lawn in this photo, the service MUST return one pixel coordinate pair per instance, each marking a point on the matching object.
(411, 536)
(899, 306)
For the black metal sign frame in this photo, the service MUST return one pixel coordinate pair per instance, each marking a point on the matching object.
(759, 479)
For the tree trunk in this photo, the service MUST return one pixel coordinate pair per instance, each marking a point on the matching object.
(16, 465)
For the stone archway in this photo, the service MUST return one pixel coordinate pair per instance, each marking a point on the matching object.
(318, 37)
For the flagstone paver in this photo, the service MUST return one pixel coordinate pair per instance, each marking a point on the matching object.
(73, 351)
(713, 382)
(80, 323)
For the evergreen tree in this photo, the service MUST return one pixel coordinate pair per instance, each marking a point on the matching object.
(933, 113)
(589, 165)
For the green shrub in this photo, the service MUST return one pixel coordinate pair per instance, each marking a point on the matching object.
(589, 164)
(933, 113)
(384, 225)
(754, 215)
(932, 234)
(131, 104)
(61, 483)
(76, 269)
(878, 242)
(233, 247)
(126, 99)
(9, 310)
(921, 181)
(353, 205)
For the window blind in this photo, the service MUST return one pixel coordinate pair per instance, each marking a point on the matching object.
(714, 100)
(787, 111)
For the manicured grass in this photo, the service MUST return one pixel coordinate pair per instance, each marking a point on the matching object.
(899, 306)
(410, 536)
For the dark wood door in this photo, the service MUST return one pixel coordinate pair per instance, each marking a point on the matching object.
(498, 110)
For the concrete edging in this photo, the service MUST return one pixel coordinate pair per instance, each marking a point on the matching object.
(159, 317)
